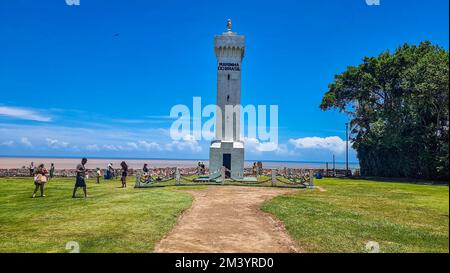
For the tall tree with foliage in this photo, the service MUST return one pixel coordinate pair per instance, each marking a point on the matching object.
(398, 104)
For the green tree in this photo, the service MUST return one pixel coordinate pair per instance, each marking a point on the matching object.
(398, 104)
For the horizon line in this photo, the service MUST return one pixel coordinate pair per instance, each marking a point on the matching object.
(173, 159)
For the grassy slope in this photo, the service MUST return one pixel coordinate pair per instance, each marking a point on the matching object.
(109, 220)
(400, 217)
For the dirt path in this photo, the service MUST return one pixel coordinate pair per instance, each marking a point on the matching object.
(228, 219)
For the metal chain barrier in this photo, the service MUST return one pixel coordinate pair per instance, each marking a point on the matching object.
(296, 178)
(184, 177)
(143, 181)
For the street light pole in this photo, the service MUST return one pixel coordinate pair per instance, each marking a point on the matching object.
(346, 148)
(334, 166)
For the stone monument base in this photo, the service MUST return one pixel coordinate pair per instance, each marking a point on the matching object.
(229, 154)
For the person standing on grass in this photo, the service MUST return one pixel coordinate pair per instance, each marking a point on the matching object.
(124, 174)
(254, 169)
(31, 168)
(80, 180)
(110, 172)
(40, 178)
(98, 173)
(52, 170)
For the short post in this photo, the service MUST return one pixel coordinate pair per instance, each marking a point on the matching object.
(138, 181)
(222, 172)
(274, 177)
(334, 166)
(311, 179)
(177, 176)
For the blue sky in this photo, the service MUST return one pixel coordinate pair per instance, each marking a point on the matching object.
(100, 79)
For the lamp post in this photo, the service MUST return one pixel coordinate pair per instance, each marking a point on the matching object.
(334, 166)
(346, 149)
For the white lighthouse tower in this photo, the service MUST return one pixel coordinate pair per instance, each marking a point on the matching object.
(227, 149)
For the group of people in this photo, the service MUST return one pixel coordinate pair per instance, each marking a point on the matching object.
(257, 168)
(155, 175)
(42, 176)
(51, 172)
(201, 169)
(146, 173)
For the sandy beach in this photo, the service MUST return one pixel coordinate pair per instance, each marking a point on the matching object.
(70, 163)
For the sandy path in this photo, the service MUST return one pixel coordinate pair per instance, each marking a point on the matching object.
(228, 219)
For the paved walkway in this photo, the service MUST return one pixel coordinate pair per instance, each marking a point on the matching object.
(228, 219)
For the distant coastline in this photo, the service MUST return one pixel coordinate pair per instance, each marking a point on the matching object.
(9, 162)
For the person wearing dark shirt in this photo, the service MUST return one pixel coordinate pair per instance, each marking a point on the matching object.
(80, 180)
(52, 170)
(203, 168)
(124, 174)
(145, 169)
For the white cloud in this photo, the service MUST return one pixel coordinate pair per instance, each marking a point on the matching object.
(254, 145)
(93, 147)
(102, 140)
(54, 143)
(22, 113)
(112, 147)
(8, 143)
(149, 145)
(188, 142)
(283, 149)
(26, 142)
(142, 144)
(334, 143)
(132, 145)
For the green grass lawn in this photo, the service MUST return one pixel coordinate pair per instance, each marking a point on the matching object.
(400, 217)
(111, 219)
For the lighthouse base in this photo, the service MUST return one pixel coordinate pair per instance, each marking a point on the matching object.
(229, 154)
